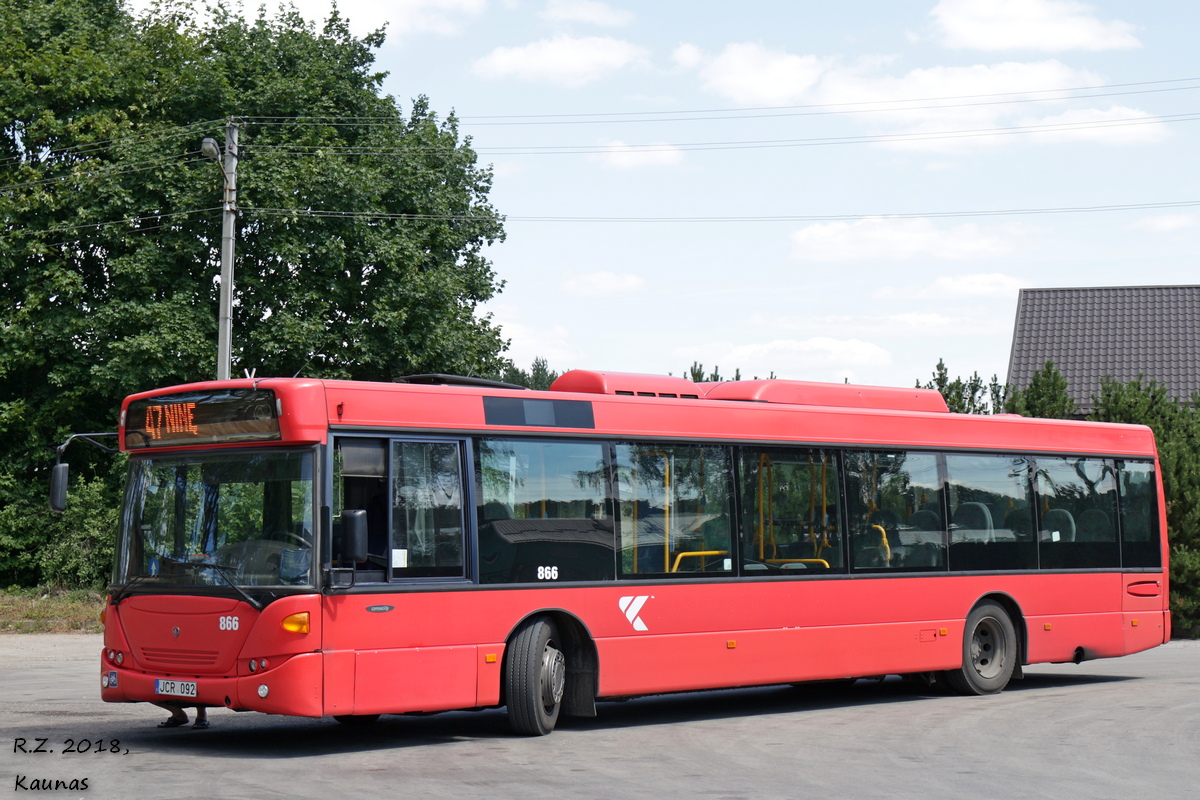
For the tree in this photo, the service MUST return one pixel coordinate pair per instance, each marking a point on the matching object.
(360, 249)
(539, 376)
(1046, 396)
(965, 397)
(1176, 427)
(696, 374)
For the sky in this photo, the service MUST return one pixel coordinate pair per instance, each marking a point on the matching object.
(820, 191)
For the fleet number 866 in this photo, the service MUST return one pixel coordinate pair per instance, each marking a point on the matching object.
(228, 623)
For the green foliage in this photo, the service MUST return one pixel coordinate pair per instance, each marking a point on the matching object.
(81, 555)
(1185, 592)
(696, 374)
(110, 227)
(1046, 396)
(539, 376)
(970, 396)
(1176, 429)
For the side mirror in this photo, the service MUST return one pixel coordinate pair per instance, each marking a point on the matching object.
(354, 536)
(58, 488)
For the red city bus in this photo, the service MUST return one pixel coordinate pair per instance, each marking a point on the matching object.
(313, 548)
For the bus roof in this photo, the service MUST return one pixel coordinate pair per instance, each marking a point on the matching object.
(639, 406)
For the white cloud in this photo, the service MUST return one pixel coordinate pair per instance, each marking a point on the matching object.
(787, 358)
(603, 284)
(1117, 125)
(527, 342)
(445, 17)
(1046, 25)
(956, 124)
(992, 284)
(908, 324)
(891, 239)
(977, 286)
(619, 155)
(562, 61)
(751, 74)
(687, 56)
(1166, 223)
(921, 322)
(589, 12)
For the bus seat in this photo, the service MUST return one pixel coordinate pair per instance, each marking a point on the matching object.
(1094, 526)
(925, 520)
(973, 522)
(1058, 521)
(888, 520)
(1020, 522)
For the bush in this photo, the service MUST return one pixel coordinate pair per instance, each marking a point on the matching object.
(72, 550)
(80, 552)
(1185, 592)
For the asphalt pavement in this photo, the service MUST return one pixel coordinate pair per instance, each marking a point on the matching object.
(1117, 728)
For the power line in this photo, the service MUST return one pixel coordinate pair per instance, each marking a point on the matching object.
(103, 144)
(757, 112)
(369, 215)
(831, 110)
(881, 138)
(92, 175)
(149, 215)
(819, 106)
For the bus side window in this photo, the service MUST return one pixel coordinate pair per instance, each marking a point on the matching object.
(895, 511)
(1077, 513)
(1139, 515)
(544, 513)
(427, 510)
(674, 506)
(790, 512)
(360, 482)
(991, 522)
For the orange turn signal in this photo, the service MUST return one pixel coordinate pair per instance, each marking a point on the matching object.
(296, 623)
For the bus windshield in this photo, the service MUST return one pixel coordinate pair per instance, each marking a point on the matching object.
(214, 519)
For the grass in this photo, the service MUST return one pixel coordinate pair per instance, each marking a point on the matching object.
(41, 610)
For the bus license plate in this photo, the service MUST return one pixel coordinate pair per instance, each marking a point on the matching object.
(175, 688)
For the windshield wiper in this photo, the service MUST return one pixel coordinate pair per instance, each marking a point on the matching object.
(124, 590)
(220, 569)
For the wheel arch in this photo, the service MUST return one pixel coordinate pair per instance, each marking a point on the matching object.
(583, 660)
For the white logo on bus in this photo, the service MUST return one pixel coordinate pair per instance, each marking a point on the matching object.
(631, 606)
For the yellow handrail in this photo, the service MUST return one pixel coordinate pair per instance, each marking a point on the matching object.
(696, 553)
(883, 542)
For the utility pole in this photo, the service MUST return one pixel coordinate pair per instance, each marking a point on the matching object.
(228, 234)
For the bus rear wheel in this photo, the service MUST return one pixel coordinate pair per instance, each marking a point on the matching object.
(536, 677)
(989, 652)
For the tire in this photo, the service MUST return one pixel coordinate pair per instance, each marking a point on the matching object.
(989, 652)
(536, 677)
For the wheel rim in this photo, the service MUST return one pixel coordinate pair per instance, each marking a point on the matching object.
(553, 676)
(989, 648)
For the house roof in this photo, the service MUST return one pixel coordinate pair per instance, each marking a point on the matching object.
(1123, 332)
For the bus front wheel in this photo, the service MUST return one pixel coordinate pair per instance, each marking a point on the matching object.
(536, 677)
(989, 652)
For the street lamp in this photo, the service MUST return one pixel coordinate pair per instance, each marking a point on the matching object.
(211, 150)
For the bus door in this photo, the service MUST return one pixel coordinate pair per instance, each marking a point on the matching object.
(382, 646)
